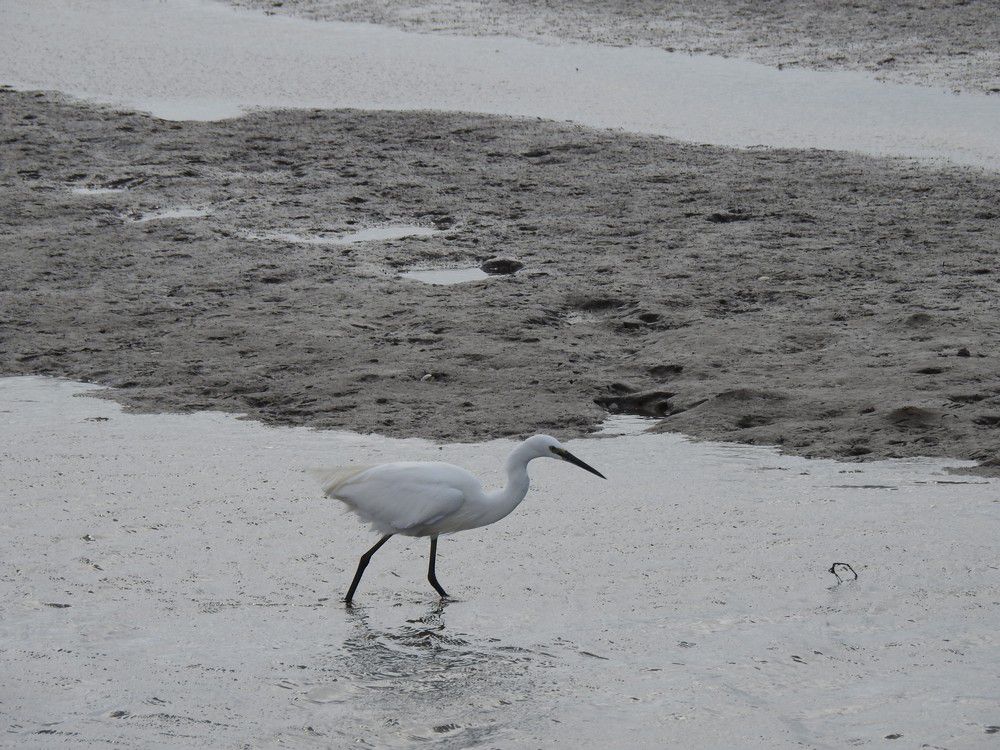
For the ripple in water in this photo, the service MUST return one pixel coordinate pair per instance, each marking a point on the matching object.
(422, 682)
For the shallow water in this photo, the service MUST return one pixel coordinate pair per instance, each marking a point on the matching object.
(388, 232)
(625, 424)
(95, 190)
(447, 276)
(181, 212)
(370, 234)
(177, 581)
(191, 59)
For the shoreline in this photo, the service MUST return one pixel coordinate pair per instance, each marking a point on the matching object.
(936, 43)
(224, 62)
(713, 287)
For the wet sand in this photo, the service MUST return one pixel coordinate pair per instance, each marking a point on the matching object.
(937, 42)
(829, 303)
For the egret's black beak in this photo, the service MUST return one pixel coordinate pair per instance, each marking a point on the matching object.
(565, 455)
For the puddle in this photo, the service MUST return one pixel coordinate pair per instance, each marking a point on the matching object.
(95, 190)
(382, 234)
(446, 276)
(170, 213)
(202, 60)
(371, 234)
(625, 424)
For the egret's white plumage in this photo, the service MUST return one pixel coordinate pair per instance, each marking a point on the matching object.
(424, 498)
(406, 497)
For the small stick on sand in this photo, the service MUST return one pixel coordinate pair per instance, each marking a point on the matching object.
(833, 569)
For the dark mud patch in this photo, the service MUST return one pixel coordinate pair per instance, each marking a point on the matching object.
(727, 217)
(803, 334)
(649, 404)
(914, 418)
(501, 266)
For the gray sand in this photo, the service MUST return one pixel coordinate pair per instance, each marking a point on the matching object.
(833, 304)
(939, 42)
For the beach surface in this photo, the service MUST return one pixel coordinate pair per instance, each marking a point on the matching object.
(238, 245)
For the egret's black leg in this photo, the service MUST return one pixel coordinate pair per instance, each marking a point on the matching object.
(430, 570)
(362, 564)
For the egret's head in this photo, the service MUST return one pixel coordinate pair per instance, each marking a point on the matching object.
(545, 446)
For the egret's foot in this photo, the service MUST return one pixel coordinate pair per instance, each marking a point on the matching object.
(437, 587)
(439, 606)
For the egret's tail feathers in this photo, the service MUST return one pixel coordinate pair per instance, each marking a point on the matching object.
(332, 479)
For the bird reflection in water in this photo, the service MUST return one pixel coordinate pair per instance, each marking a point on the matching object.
(422, 681)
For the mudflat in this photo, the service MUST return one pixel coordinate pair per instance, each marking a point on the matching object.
(830, 303)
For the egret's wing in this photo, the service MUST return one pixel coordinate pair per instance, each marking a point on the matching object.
(401, 496)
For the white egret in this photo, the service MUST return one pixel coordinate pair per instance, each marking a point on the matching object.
(426, 498)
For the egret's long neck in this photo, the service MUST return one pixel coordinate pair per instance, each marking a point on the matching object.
(505, 500)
